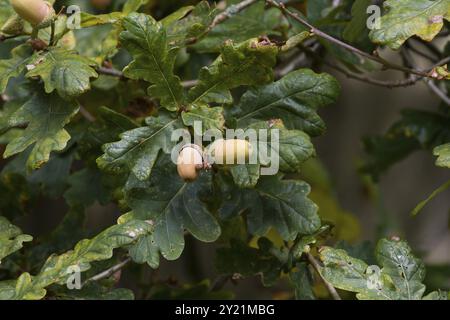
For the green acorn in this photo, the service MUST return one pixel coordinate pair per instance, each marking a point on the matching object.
(37, 12)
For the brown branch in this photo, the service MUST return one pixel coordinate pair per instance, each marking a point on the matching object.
(386, 64)
(86, 114)
(315, 264)
(441, 94)
(110, 72)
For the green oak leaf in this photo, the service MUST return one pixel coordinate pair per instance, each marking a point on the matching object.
(398, 277)
(357, 27)
(273, 203)
(173, 205)
(58, 268)
(146, 40)
(91, 20)
(291, 147)
(133, 5)
(209, 117)
(443, 154)
(11, 238)
(145, 251)
(406, 18)
(258, 21)
(303, 282)
(405, 270)
(85, 188)
(6, 11)
(294, 99)
(245, 175)
(417, 129)
(246, 261)
(46, 116)
(188, 22)
(64, 71)
(139, 148)
(246, 63)
(14, 66)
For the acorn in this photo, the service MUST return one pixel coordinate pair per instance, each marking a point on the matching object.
(190, 160)
(231, 149)
(37, 12)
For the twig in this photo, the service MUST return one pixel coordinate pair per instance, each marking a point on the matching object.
(189, 83)
(323, 35)
(442, 95)
(86, 114)
(313, 262)
(110, 72)
(225, 15)
(109, 272)
(435, 89)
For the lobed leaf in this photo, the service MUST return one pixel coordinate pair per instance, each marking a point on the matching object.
(406, 18)
(294, 99)
(46, 116)
(146, 40)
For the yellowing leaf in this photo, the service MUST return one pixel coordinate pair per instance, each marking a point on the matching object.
(406, 18)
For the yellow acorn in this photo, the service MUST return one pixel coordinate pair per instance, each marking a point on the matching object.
(36, 12)
(230, 151)
(190, 160)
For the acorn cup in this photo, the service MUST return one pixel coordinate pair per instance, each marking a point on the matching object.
(38, 13)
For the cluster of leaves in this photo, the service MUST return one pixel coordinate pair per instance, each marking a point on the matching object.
(63, 141)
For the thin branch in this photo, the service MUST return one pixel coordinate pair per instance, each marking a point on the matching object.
(189, 83)
(315, 264)
(441, 94)
(109, 272)
(110, 72)
(323, 35)
(86, 114)
(225, 15)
